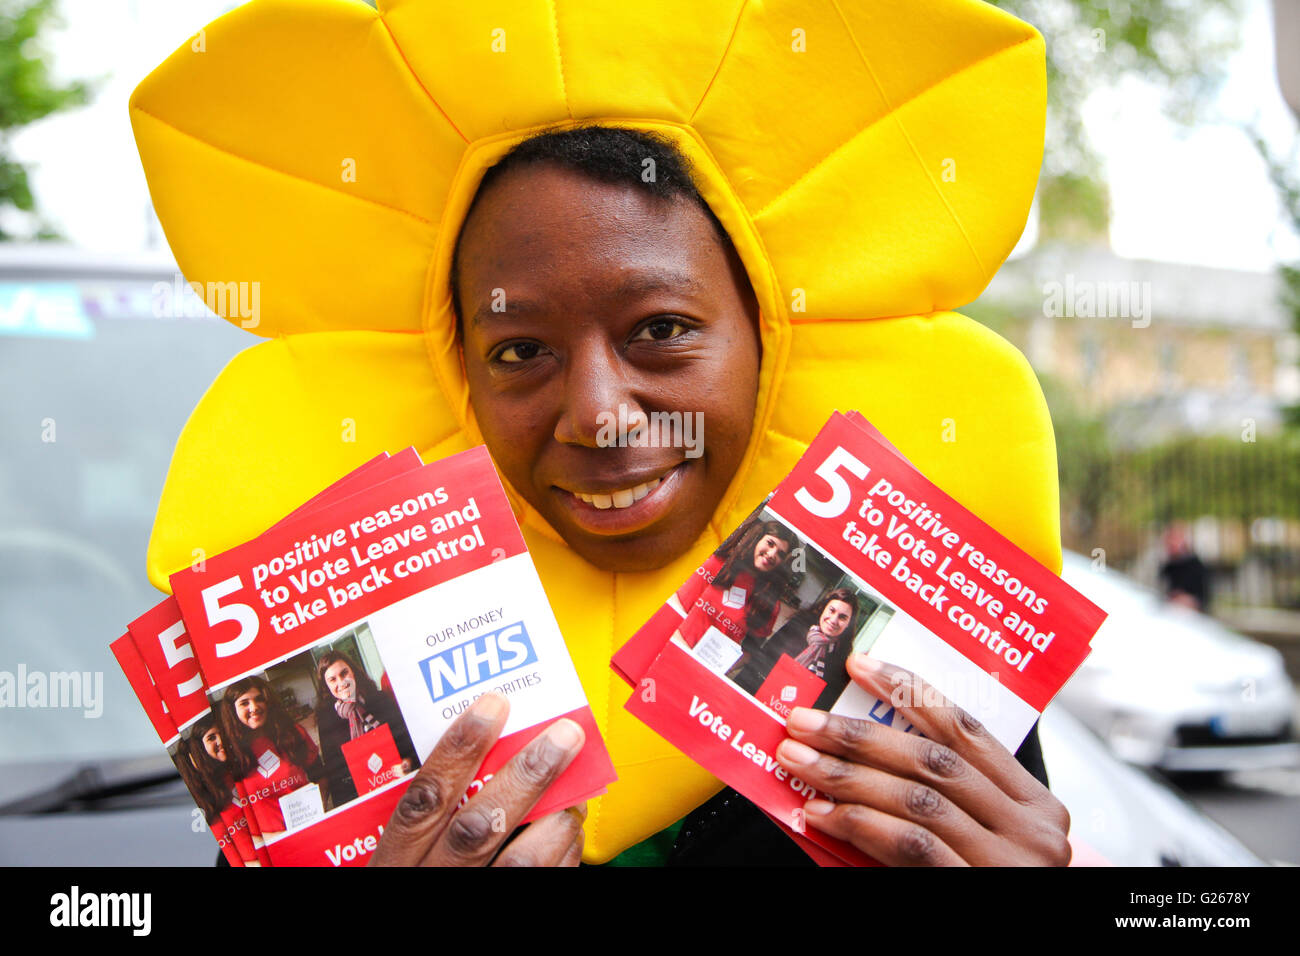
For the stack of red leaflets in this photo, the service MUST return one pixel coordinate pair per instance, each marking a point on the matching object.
(855, 551)
(299, 679)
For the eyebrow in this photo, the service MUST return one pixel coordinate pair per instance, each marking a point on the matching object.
(638, 284)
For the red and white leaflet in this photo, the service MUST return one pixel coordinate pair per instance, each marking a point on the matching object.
(949, 599)
(164, 646)
(427, 578)
(229, 828)
(160, 633)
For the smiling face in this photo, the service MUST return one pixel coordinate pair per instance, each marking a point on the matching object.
(213, 745)
(835, 618)
(250, 708)
(580, 297)
(340, 680)
(769, 553)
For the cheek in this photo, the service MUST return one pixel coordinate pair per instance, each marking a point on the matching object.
(728, 398)
(513, 427)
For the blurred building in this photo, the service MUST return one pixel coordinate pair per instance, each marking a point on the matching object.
(1155, 349)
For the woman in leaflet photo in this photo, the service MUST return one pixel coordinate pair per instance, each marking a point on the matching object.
(272, 753)
(836, 624)
(820, 638)
(205, 767)
(738, 589)
(630, 213)
(350, 705)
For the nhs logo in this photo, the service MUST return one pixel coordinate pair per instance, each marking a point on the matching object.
(476, 660)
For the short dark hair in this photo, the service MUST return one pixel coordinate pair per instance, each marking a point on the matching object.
(606, 154)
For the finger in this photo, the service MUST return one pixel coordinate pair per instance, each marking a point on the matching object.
(545, 842)
(897, 797)
(421, 816)
(885, 838)
(910, 756)
(574, 856)
(941, 720)
(479, 828)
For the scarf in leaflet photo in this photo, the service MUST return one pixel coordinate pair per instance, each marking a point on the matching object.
(360, 721)
(814, 655)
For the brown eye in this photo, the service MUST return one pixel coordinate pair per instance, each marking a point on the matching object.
(519, 352)
(660, 330)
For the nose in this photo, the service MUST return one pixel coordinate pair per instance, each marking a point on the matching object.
(597, 404)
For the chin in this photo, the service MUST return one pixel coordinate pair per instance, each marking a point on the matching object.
(629, 555)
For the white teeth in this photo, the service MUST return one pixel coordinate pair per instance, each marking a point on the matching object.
(624, 498)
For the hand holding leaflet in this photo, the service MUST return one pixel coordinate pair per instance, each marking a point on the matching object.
(428, 576)
(386, 605)
(954, 796)
(881, 563)
(426, 829)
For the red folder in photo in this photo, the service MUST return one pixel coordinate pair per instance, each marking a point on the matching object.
(371, 759)
(790, 685)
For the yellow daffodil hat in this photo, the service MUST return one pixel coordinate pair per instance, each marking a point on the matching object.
(873, 161)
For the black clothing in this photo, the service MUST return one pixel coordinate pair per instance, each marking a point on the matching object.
(1187, 573)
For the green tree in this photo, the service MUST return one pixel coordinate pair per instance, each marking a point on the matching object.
(1085, 462)
(1285, 175)
(1181, 45)
(27, 93)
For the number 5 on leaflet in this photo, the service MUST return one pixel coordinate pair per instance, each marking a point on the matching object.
(841, 494)
(241, 614)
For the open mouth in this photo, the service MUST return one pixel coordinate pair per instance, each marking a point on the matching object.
(625, 498)
(623, 510)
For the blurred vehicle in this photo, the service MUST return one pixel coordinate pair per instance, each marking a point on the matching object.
(131, 811)
(1123, 815)
(1170, 688)
(100, 365)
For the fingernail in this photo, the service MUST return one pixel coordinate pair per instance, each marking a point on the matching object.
(490, 706)
(818, 808)
(868, 663)
(564, 734)
(797, 753)
(806, 720)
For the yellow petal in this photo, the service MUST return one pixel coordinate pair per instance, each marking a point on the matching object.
(295, 149)
(957, 399)
(283, 420)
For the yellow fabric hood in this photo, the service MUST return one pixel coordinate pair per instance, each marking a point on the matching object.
(873, 161)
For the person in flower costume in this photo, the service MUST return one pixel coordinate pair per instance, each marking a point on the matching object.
(827, 181)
